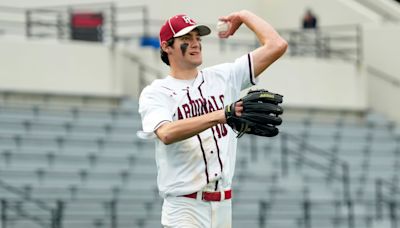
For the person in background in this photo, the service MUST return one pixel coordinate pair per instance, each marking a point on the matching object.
(309, 20)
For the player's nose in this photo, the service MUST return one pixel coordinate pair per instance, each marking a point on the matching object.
(195, 44)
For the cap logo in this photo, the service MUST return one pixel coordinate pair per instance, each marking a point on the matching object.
(188, 20)
(180, 24)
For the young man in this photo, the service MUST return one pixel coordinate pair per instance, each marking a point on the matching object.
(184, 112)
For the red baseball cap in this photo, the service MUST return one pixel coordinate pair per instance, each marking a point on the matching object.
(180, 25)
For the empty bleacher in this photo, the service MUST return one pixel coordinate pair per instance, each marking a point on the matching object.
(86, 163)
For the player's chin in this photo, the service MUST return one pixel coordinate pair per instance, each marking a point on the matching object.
(197, 61)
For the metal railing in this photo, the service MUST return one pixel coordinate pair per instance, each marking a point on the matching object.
(391, 79)
(146, 73)
(321, 161)
(106, 213)
(120, 23)
(128, 23)
(388, 194)
(311, 215)
(337, 42)
(318, 159)
(25, 208)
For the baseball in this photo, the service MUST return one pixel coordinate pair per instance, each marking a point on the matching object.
(222, 26)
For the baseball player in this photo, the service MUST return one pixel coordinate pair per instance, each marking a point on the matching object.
(184, 114)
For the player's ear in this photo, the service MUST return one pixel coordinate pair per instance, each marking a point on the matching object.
(165, 46)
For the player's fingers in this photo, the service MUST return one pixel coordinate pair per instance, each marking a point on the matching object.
(234, 26)
(228, 33)
(223, 35)
(223, 18)
(238, 111)
(239, 108)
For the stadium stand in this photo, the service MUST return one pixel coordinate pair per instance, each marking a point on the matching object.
(89, 162)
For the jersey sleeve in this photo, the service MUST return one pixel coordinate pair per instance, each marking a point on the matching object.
(155, 109)
(242, 72)
(239, 74)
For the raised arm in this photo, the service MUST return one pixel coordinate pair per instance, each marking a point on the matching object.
(273, 46)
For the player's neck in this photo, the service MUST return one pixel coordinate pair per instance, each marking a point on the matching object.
(183, 74)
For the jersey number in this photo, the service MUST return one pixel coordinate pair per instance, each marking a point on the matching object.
(221, 130)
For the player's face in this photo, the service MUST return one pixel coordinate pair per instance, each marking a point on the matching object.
(187, 49)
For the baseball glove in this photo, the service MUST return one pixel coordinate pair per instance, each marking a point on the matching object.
(260, 114)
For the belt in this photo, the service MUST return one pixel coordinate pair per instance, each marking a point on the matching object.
(211, 196)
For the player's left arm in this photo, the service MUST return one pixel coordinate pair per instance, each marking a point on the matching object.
(171, 132)
(273, 46)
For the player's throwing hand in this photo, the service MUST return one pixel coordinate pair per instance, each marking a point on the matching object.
(234, 21)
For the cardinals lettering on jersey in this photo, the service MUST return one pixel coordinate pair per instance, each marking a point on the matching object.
(200, 106)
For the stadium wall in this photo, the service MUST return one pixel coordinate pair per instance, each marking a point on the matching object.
(96, 69)
(82, 68)
(381, 53)
(317, 83)
(289, 13)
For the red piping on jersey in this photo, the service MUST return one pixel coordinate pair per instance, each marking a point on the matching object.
(204, 157)
(203, 104)
(250, 69)
(216, 144)
(158, 125)
(188, 95)
(201, 93)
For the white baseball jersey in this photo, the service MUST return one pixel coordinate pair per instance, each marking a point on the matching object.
(205, 161)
